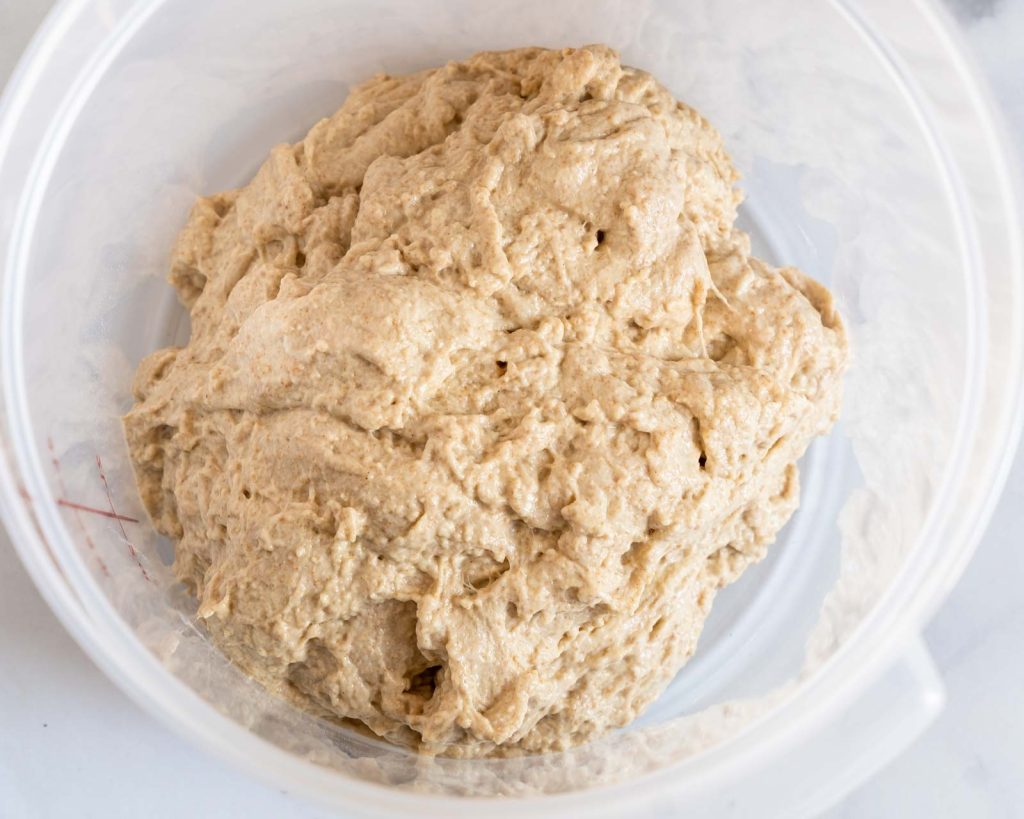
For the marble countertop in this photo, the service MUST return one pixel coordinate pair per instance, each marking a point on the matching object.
(71, 744)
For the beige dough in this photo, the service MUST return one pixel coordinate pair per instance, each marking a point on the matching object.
(485, 398)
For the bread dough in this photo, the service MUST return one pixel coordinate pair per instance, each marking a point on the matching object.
(485, 398)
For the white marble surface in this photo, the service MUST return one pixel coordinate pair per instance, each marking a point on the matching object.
(71, 744)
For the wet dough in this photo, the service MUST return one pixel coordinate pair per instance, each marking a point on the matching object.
(485, 398)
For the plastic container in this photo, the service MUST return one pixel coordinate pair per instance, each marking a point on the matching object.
(871, 159)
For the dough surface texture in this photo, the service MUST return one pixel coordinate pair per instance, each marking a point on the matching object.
(485, 398)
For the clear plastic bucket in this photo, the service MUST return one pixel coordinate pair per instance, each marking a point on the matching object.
(871, 160)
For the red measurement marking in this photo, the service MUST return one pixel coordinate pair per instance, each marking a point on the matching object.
(83, 508)
(24, 493)
(120, 521)
(78, 518)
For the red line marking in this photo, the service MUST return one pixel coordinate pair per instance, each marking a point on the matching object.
(78, 518)
(83, 508)
(119, 518)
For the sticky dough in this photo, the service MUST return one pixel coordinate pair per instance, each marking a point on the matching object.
(485, 398)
